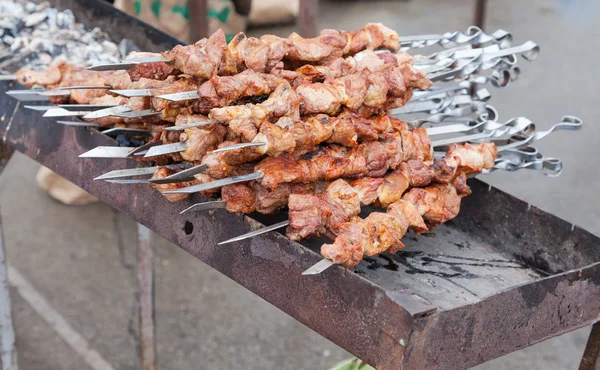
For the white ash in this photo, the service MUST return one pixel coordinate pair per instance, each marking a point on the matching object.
(36, 35)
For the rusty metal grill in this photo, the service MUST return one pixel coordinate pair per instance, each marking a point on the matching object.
(500, 277)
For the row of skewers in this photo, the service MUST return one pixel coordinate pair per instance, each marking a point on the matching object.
(309, 124)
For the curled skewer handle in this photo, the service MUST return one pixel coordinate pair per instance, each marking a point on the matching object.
(508, 128)
(504, 62)
(520, 155)
(570, 123)
(499, 37)
(529, 51)
(462, 88)
(499, 78)
(518, 125)
(474, 35)
(523, 138)
(551, 167)
(462, 114)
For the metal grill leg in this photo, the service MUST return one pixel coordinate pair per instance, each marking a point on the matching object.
(480, 11)
(146, 299)
(198, 20)
(8, 351)
(591, 356)
(308, 17)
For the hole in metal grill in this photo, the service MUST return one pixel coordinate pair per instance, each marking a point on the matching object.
(188, 228)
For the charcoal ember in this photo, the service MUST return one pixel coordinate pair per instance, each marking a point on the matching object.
(36, 35)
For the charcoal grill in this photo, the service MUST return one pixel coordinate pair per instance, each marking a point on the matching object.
(500, 277)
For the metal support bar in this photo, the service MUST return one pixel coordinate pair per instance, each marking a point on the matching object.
(591, 356)
(480, 10)
(8, 351)
(146, 299)
(308, 18)
(5, 153)
(479, 21)
(198, 20)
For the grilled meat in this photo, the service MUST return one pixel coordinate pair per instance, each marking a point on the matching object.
(334, 161)
(50, 76)
(201, 140)
(312, 213)
(213, 56)
(154, 71)
(419, 209)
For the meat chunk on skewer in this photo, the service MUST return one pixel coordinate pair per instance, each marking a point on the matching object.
(333, 162)
(213, 56)
(201, 140)
(50, 76)
(381, 232)
(154, 71)
(308, 217)
(163, 172)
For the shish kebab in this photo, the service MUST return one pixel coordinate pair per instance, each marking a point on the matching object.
(213, 56)
(217, 162)
(335, 210)
(418, 209)
(372, 158)
(350, 132)
(247, 120)
(219, 91)
(474, 36)
(332, 166)
(382, 191)
(286, 101)
(31, 79)
(326, 164)
(367, 159)
(350, 89)
(357, 237)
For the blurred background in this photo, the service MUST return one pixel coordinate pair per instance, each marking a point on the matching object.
(82, 259)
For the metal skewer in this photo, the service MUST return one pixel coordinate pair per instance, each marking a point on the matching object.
(108, 152)
(101, 113)
(127, 131)
(128, 63)
(182, 176)
(130, 93)
(130, 172)
(474, 35)
(69, 107)
(78, 123)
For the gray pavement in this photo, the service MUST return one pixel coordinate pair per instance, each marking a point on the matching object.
(81, 259)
